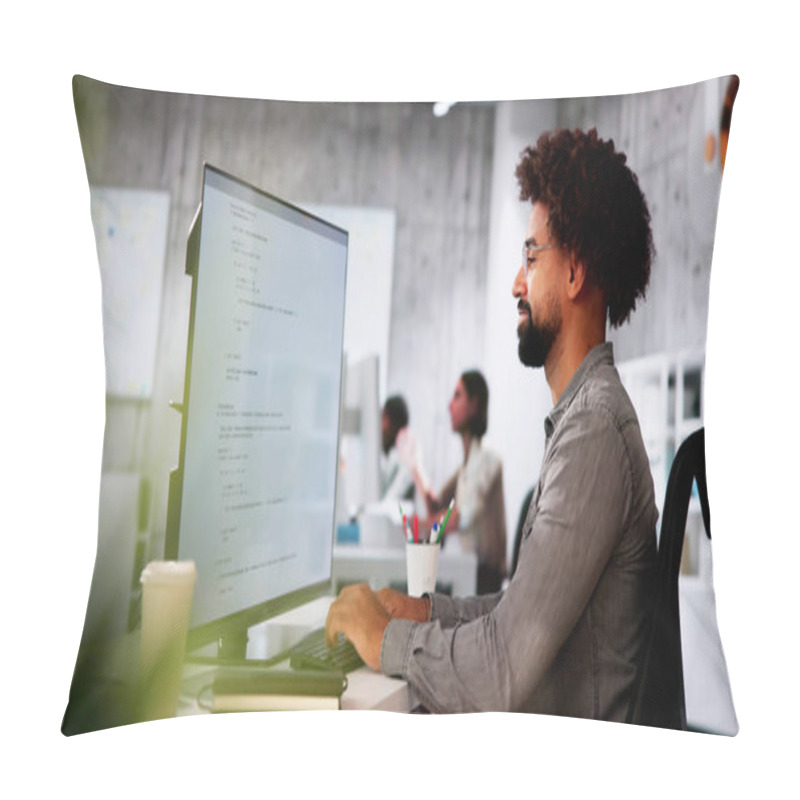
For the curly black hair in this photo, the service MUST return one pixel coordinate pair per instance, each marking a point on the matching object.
(596, 211)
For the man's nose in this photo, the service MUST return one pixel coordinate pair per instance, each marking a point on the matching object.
(520, 286)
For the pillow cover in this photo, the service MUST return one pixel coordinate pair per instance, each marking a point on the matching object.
(441, 191)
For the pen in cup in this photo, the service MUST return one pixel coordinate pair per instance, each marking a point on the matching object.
(406, 530)
(435, 533)
(446, 517)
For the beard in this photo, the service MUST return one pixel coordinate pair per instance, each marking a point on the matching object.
(536, 340)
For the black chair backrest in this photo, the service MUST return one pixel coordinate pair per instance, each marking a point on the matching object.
(660, 699)
(523, 513)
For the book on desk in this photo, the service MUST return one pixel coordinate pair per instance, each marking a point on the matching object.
(273, 690)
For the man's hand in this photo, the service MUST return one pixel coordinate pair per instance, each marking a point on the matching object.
(358, 615)
(397, 604)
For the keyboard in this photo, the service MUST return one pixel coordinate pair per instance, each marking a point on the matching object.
(311, 652)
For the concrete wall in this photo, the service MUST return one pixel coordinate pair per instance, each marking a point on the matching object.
(433, 173)
(663, 135)
(459, 228)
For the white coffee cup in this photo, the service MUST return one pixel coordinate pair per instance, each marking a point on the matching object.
(422, 564)
(167, 593)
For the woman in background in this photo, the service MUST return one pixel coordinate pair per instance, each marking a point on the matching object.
(478, 517)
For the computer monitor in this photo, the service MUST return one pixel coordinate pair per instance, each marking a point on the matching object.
(361, 434)
(253, 497)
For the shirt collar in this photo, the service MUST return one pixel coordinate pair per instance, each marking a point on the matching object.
(602, 353)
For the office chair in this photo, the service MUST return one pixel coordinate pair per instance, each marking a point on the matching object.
(523, 513)
(659, 699)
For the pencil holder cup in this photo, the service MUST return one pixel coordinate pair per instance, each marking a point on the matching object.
(422, 564)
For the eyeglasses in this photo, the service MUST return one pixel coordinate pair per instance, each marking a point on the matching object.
(529, 256)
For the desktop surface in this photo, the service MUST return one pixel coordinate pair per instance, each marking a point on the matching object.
(366, 688)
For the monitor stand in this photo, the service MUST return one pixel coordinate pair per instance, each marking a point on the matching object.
(232, 652)
(232, 646)
(268, 644)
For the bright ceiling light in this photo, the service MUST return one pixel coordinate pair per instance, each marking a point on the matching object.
(441, 108)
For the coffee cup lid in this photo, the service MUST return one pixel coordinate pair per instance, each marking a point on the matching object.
(169, 571)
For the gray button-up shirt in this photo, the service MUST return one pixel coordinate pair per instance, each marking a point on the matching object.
(567, 634)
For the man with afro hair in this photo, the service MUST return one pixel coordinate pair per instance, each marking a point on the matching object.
(568, 633)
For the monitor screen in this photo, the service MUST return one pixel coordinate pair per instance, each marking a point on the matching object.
(253, 499)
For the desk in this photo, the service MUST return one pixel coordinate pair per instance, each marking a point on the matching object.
(105, 693)
(366, 688)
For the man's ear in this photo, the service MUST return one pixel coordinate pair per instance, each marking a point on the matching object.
(576, 278)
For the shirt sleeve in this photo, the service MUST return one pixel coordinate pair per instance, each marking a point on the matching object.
(450, 611)
(494, 660)
(397, 481)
